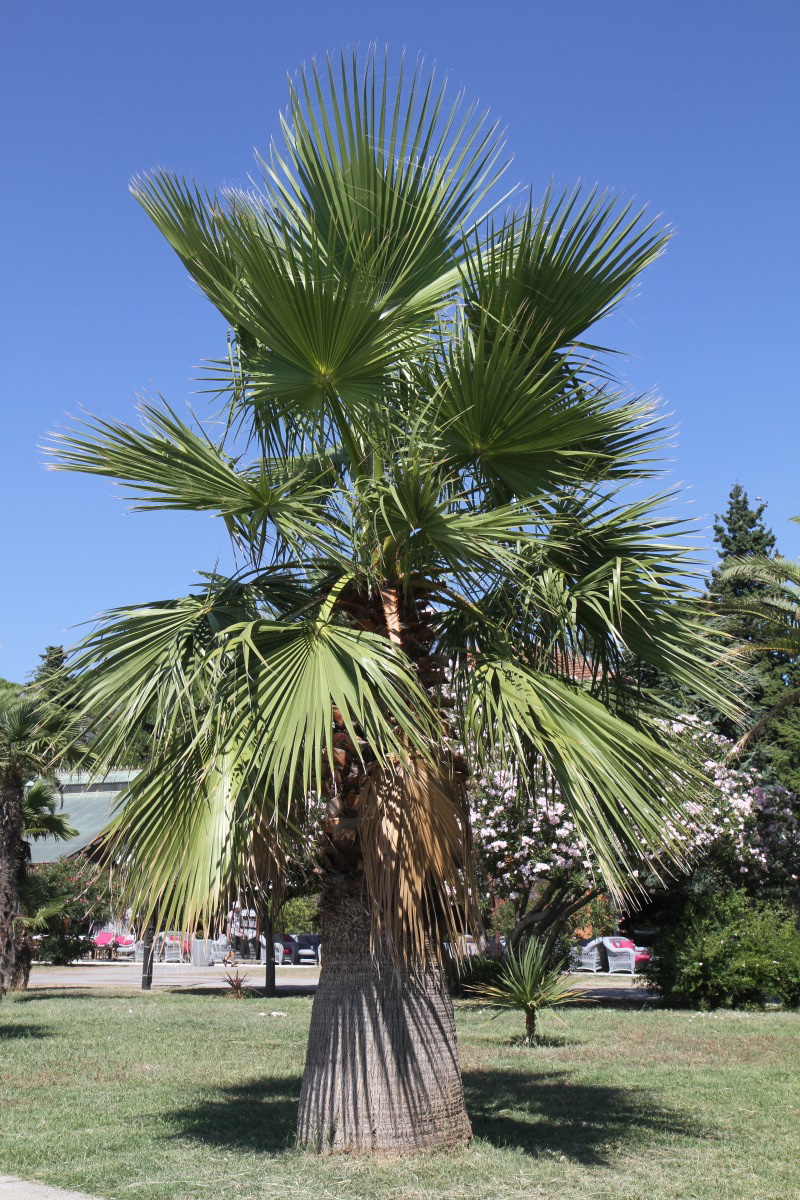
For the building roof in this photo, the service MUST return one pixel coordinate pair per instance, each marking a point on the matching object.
(88, 804)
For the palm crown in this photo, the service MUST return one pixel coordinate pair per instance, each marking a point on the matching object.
(420, 474)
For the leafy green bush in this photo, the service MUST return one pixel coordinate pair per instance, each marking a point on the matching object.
(728, 951)
(81, 887)
(76, 891)
(598, 918)
(299, 914)
(466, 973)
(503, 919)
(63, 947)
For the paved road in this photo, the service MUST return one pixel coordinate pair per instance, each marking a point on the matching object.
(614, 988)
(169, 975)
(12, 1188)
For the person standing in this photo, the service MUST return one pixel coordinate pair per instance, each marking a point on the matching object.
(243, 930)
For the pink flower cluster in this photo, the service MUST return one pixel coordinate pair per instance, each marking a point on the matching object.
(522, 845)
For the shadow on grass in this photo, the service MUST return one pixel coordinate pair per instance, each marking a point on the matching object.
(223, 989)
(34, 994)
(9, 1032)
(535, 1113)
(545, 1040)
(260, 1115)
(549, 1113)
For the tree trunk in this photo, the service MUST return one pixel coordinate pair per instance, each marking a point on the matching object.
(530, 1027)
(23, 959)
(11, 827)
(549, 915)
(147, 958)
(269, 965)
(382, 1071)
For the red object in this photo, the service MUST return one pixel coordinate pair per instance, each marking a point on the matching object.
(103, 939)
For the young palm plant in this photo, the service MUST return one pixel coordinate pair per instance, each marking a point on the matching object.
(530, 981)
(420, 474)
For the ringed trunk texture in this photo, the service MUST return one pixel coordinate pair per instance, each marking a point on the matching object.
(11, 827)
(382, 1071)
(530, 1028)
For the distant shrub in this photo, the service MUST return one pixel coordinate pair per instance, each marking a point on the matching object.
(299, 914)
(728, 951)
(472, 972)
(503, 919)
(63, 947)
(79, 885)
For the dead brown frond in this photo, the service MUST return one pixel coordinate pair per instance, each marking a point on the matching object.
(417, 855)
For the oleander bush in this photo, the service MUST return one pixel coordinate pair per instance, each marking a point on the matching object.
(728, 951)
(76, 891)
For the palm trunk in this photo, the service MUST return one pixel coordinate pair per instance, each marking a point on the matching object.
(382, 1071)
(147, 958)
(530, 1028)
(23, 960)
(11, 827)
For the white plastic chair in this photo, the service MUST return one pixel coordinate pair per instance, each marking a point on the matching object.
(219, 949)
(622, 959)
(171, 946)
(590, 957)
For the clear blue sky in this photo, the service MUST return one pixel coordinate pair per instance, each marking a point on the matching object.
(690, 107)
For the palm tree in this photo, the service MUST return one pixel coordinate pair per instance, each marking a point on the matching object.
(33, 735)
(776, 606)
(41, 819)
(418, 460)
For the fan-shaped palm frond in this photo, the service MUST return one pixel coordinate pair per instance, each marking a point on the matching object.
(625, 791)
(40, 804)
(775, 603)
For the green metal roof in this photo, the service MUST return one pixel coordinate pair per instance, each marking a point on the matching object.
(88, 806)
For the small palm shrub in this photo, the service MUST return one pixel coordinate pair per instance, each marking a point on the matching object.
(236, 984)
(530, 981)
(728, 951)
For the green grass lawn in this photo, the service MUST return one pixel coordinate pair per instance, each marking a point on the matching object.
(126, 1095)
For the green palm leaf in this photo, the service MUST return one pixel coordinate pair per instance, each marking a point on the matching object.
(530, 982)
(39, 804)
(170, 466)
(625, 791)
